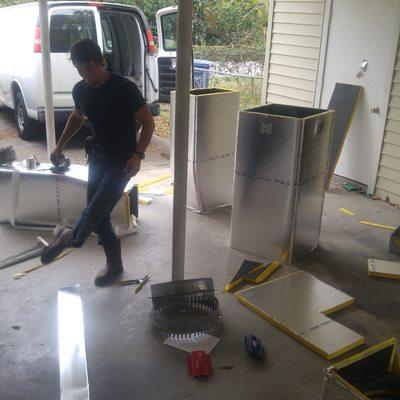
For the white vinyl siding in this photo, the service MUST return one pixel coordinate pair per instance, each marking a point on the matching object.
(293, 50)
(388, 182)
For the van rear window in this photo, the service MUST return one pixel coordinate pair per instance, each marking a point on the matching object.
(169, 31)
(68, 26)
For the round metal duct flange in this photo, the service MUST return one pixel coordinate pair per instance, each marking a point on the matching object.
(185, 308)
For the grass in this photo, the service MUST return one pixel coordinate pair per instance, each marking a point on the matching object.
(163, 121)
(249, 88)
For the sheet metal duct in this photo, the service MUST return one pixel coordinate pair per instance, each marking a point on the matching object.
(212, 136)
(39, 198)
(74, 382)
(280, 171)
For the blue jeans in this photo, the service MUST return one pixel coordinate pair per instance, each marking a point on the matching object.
(106, 185)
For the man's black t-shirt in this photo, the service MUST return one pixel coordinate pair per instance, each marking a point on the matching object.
(109, 109)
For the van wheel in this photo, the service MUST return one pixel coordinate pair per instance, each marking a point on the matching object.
(27, 128)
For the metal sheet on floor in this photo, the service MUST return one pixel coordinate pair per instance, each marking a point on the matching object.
(298, 304)
(74, 383)
(384, 269)
(40, 198)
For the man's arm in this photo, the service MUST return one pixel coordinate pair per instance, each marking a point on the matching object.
(74, 123)
(144, 116)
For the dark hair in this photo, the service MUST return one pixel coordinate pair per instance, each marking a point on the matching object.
(85, 51)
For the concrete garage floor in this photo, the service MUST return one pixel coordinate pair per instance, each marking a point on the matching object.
(125, 360)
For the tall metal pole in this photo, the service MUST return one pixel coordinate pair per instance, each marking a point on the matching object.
(47, 79)
(183, 68)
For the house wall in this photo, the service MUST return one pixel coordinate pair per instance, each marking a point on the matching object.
(293, 51)
(388, 182)
(294, 71)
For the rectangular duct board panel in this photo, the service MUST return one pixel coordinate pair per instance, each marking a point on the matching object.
(299, 304)
(384, 269)
(344, 101)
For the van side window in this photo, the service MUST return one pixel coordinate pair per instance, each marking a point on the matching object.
(107, 37)
(68, 26)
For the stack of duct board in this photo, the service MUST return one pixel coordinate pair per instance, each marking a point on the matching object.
(40, 198)
(280, 172)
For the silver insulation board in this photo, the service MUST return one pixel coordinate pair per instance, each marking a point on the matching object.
(280, 173)
(212, 137)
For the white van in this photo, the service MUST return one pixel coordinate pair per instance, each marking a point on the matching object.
(167, 21)
(121, 31)
(167, 28)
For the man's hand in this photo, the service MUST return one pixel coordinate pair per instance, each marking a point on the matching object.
(55, 153)
(75, 121)
(132, 167)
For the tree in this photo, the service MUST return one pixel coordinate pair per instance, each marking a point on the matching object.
(216, 22)
(6, 3)
(149, 7)
(230, 22)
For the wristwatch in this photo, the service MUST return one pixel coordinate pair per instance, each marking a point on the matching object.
(140, 154)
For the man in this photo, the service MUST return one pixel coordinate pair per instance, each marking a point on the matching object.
(112, 104)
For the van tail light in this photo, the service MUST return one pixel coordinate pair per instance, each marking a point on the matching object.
(37, 47)
(151, 47)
